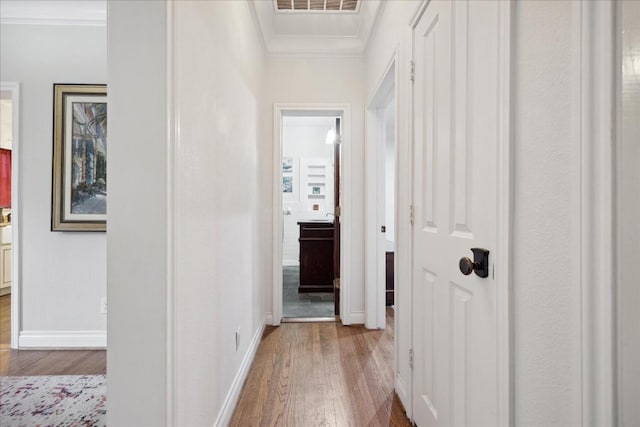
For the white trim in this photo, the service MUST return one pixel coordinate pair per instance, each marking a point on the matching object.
(231, 400)
(16, 246)
(504, 243)
(345, 203)
(84, 13)
(356, 318)
(401, 391)
(173, 136)
(384, 94)
(268, 318)
(62, 339)
(594, 182)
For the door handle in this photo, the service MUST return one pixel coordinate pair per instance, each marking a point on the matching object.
(480, 263)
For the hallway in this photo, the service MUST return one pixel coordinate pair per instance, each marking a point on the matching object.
(308, 374)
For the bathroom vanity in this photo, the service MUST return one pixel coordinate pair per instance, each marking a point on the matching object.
(316, 256)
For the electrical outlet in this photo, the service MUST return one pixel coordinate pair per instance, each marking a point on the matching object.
(237, 338)
(103, 305)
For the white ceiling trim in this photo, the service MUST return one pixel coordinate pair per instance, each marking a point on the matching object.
(69, 12)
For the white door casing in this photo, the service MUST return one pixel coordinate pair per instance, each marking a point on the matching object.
(331, 110)
(460, 323)
(13, 90)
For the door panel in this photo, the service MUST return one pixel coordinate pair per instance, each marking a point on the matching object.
(456, 117)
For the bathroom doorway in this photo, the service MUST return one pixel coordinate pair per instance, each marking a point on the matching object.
(310, 153)
(311, 221)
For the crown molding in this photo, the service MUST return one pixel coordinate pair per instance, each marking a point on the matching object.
(67, 12)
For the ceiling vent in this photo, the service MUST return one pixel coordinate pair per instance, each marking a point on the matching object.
(317, 5)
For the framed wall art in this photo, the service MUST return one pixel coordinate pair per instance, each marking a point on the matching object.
(79, 193)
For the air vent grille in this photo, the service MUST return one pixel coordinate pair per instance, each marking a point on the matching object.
(317, 5)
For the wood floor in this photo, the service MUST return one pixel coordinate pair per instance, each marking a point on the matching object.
(5, 321)
(44, 362)
(322, 374)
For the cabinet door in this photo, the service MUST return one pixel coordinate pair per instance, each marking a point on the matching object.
(5, 268)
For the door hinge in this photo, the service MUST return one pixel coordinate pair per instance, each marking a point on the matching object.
(411, 214)
(412, 71)
(411, 358)
(383, 229)
(338, 211)
(337, 280)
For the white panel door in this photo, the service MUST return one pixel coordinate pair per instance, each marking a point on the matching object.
(455, 378)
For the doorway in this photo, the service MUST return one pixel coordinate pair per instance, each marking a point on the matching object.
(310, 213)
(308, 209)
(381, 181)
(9, 242)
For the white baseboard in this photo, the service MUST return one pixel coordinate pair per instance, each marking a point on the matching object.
(236, 387)
(290, 263)
(401, 391)
(62, 339)
(268, 319)
(357, 318)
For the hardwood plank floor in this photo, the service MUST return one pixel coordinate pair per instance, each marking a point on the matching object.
(44, 362)
(5, 321)
(322, 374)
(52, 362)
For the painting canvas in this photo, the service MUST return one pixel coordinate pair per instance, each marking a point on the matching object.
(287, 184)
(287, 164)
(80, 158)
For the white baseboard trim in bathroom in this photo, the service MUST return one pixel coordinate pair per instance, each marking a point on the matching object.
(62, 339)
(236, 387)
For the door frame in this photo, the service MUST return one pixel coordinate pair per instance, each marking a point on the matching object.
(385, 94)
(502, 260)
(285, 109)
(596, 140)
(14, 89)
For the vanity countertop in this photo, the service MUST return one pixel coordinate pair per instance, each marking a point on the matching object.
(315, 221)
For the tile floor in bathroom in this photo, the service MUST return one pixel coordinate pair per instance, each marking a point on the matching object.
(316, 304)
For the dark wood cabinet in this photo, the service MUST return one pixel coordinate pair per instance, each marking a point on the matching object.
(316, 256)
(389, 277)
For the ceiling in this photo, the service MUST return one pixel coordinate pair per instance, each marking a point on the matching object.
(316, 32)
(284, 32)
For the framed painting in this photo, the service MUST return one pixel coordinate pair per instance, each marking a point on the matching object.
(79, 193)
(287, 184)
(287, 164)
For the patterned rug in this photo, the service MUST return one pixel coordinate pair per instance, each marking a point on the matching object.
(43, 401)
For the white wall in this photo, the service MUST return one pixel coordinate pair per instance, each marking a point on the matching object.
(63, 274)
(303, 138)
(221, 161)
(389, 175)
(336, 80)
(546, 332)
(137, 241)
(629, 212)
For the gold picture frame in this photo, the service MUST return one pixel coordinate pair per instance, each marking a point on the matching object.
(79, 182)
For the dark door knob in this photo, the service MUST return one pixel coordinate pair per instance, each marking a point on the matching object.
(480, 263)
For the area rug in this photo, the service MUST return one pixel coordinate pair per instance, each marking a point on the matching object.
(59, 400)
